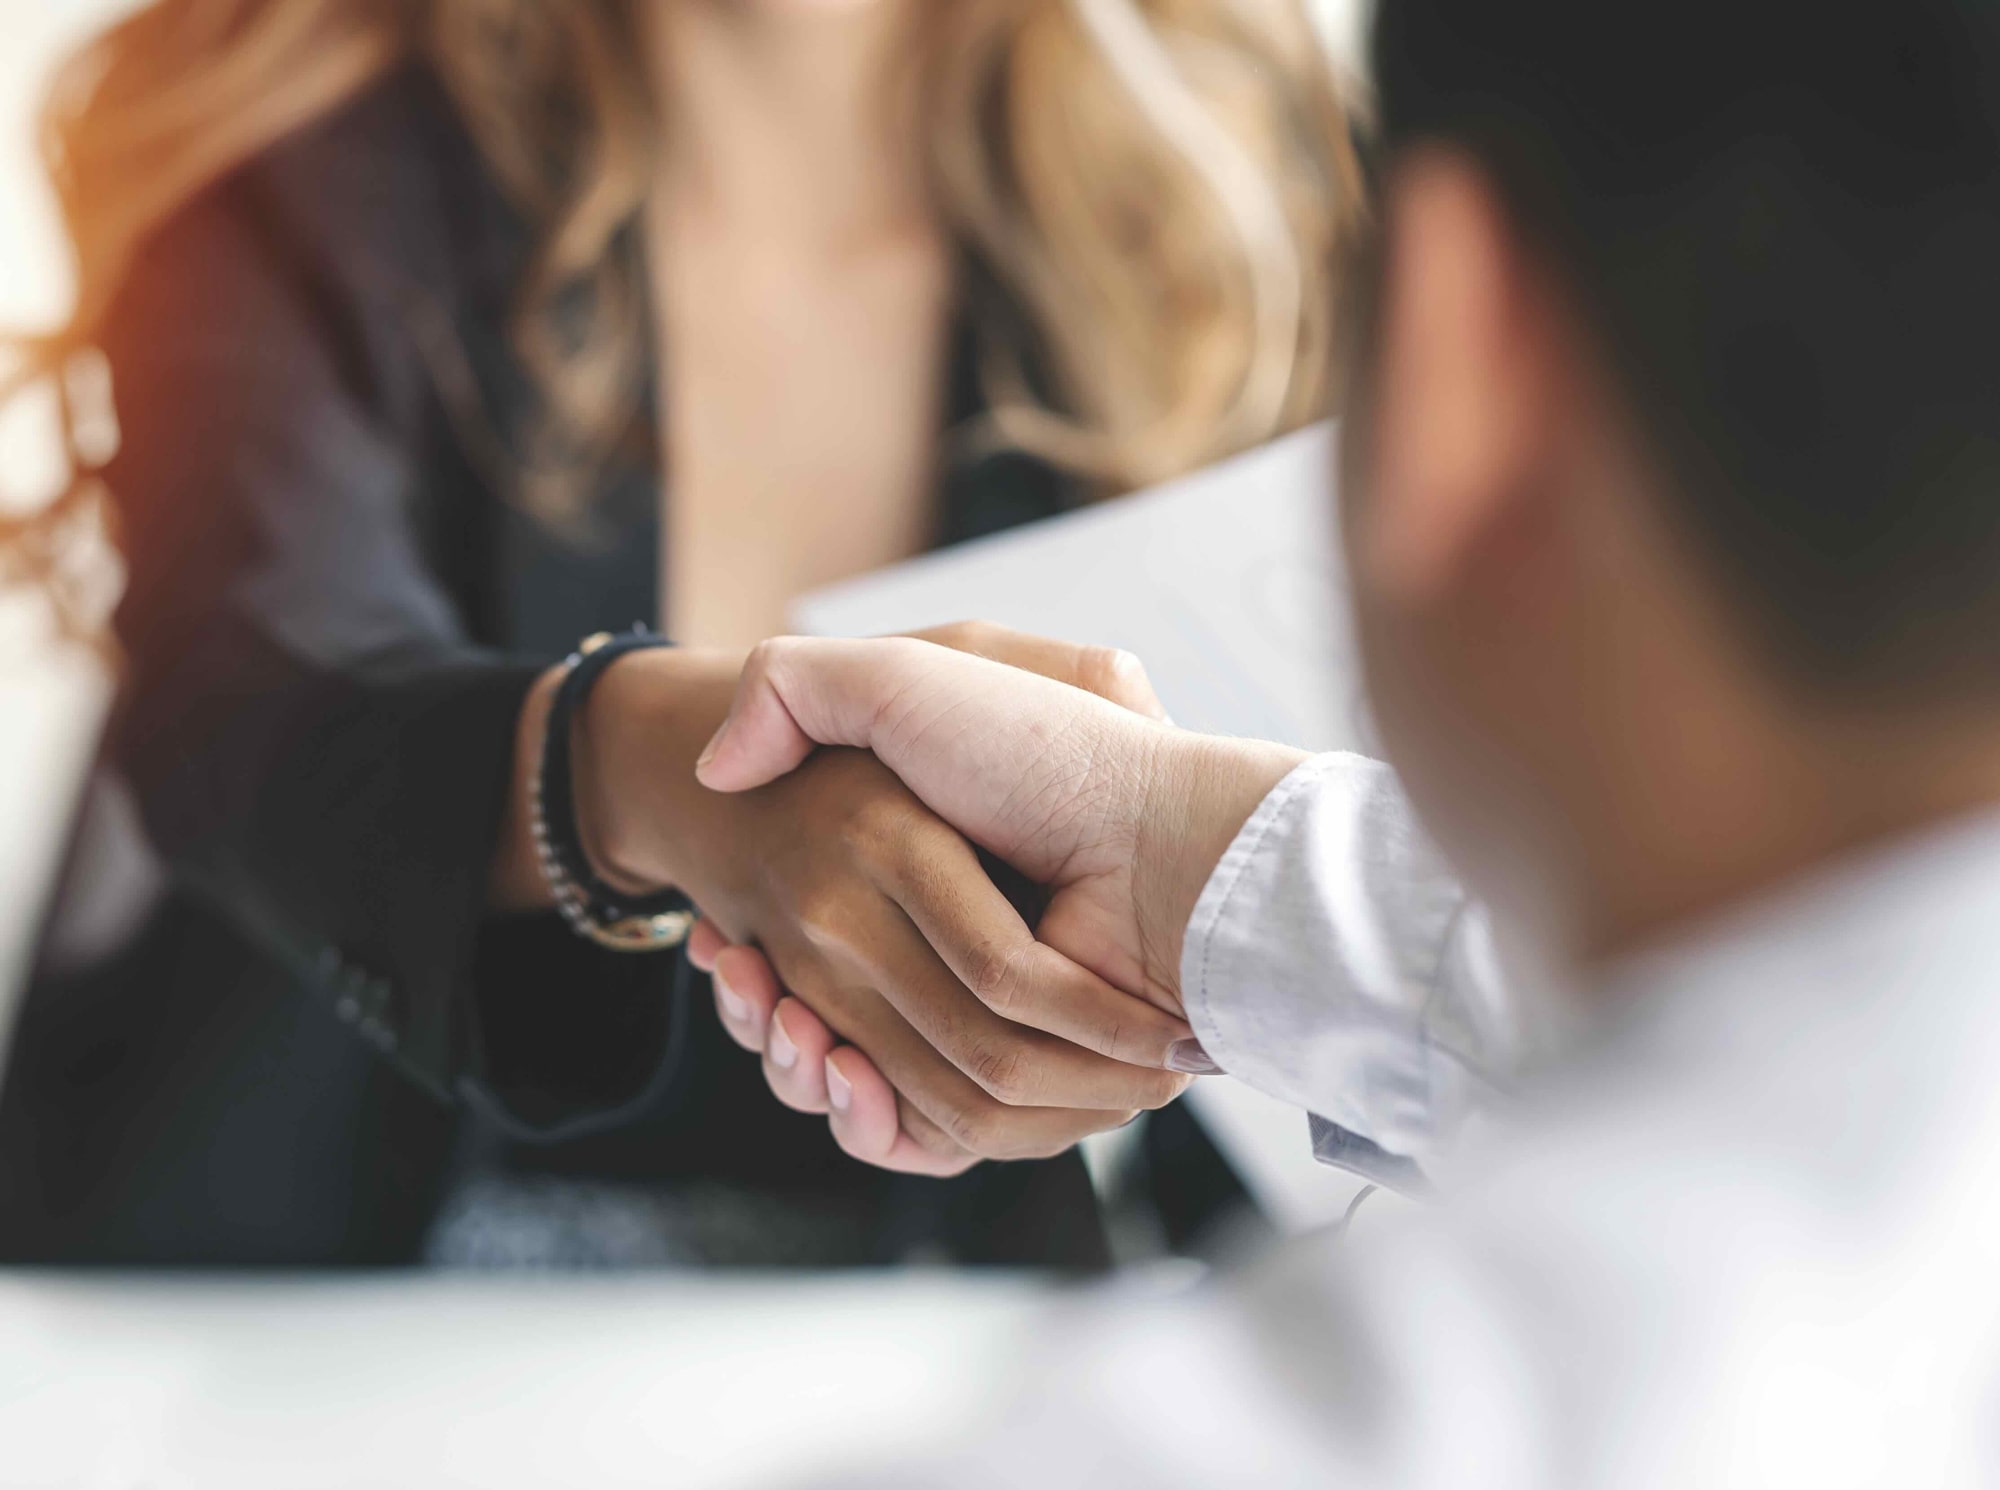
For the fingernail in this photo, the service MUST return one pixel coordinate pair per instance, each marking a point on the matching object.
(838, 1090)
(784, 1054)
(708, 750)
(1188, 1058)
(732, 1002)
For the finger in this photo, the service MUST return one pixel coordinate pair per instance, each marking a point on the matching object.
(907, 1158)
(948, 1099)
(746, 991)
(1009, 1062)
(876, 1116)
(866, 1121)
(961, 913)
(704, 943)
(795, 1053)
(795, 693)
(1107, 672)
(1029, 769)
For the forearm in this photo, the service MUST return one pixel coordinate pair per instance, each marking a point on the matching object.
(640, 814)
(343, 817)
(1199, 791)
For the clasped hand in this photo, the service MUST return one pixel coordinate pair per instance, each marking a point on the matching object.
(908, 1000)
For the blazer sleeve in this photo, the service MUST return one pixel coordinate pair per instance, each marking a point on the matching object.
(318, 743)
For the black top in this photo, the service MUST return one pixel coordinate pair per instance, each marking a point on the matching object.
(332, 620)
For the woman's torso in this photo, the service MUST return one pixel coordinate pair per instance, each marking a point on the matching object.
(192, 1101)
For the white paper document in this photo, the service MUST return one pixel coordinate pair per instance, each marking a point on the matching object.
(1227, 584)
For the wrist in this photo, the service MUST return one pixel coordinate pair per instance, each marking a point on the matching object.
(515, 881)
(1200, 792)
(635, 740)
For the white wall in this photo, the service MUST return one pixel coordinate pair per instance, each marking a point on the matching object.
(1345, 26)
(51, 700)
(33, 34)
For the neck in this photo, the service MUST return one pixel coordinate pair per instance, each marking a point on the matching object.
(1712, 829)
(788, 118)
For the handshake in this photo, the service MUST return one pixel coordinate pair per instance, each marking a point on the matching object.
(856, 938)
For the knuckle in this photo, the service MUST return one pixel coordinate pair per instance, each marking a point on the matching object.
(994, 971)
(1001, 1071)
(932, 1137)
(971, 636)
(881, 829)
(951, 634)
(1049, 1145)
(980, 1129)
(825, 919)
(1123, 680)
(763, 657)
(907, 650)
(1163, 1089)
(1104, 671)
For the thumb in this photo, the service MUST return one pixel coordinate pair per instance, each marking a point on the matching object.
(796, 693)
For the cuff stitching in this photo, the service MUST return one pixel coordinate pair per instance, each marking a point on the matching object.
(1234, 862)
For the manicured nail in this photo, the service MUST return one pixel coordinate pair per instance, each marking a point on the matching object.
(839, 1091)
(784, 1054)
(733, 1004)
(1188, 1058)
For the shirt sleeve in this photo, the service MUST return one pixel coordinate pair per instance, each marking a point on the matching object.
(1334, 962)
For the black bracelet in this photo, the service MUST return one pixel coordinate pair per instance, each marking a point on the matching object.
(624, 923)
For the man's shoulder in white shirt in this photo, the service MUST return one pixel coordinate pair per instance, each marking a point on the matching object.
(1744, 1233)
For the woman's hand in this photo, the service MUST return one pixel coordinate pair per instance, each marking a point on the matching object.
(880, 920)
(1092, 919)
(809, 1070)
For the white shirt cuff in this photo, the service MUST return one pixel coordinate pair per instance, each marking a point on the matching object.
(1333, 962)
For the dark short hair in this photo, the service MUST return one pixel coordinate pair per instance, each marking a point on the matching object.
(1783, 220)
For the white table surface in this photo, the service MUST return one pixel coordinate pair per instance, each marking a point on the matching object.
(116, 1384)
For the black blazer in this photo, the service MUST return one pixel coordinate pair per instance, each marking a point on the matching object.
(332, 618)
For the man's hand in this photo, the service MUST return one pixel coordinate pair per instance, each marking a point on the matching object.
(1121, 816)
(849, 885)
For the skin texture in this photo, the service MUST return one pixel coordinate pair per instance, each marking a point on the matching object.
(804, 293)
(1576, 707)
(1119, 815)
(846, 883)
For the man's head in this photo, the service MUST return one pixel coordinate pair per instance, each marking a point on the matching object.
(1675, 486)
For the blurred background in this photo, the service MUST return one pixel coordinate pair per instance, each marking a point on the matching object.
(51, 699)
(120, 1364)
(55, 691)
(36, 287)
(35, 33)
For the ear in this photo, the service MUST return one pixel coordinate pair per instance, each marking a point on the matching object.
(1464, 390)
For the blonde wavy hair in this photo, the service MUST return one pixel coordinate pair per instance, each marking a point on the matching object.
(1167, 188)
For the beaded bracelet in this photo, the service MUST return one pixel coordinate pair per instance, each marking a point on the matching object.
(624, 923)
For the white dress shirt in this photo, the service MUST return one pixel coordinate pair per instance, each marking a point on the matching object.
(1743, 1231)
